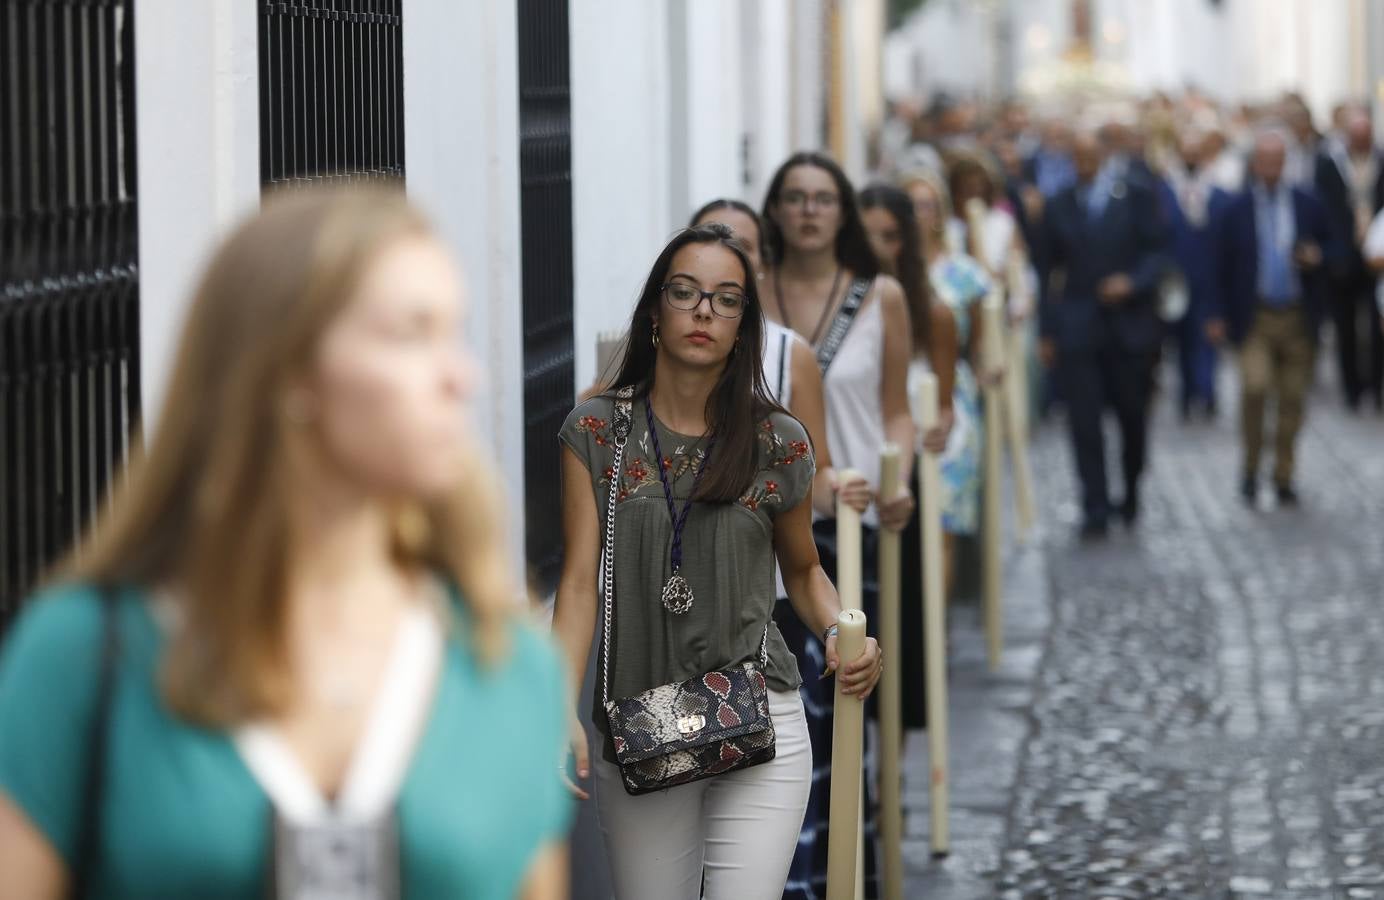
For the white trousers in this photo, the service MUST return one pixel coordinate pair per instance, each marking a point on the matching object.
(741, 827)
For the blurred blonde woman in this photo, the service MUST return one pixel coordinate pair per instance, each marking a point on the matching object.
(960, 282)
(288, 661)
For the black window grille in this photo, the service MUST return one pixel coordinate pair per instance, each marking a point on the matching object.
(545, 177)
(69, 288)
(331, 91)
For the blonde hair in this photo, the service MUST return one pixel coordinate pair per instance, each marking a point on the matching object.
(206, 509)
(938, 184)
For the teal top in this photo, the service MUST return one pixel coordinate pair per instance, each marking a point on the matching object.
(183, 816)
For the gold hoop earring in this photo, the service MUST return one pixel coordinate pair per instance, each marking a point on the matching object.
(655, 337)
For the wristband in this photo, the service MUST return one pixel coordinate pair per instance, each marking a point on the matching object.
(829, 632)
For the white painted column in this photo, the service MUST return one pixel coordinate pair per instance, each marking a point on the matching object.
(809, 74)
(197, 146)
(768, 111)
(716, 86)
(461, 158)
(622, 160)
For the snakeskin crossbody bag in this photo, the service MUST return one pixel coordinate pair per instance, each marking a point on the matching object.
(683, 732)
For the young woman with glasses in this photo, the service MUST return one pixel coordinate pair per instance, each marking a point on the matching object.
(713, 488)
(826, 284)
(790, 366)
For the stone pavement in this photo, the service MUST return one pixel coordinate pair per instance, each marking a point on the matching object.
(1191, 710)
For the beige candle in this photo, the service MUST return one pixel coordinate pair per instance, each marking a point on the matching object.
(1016, 401)
(848, 561)
(934, 619)
(608, 347)
(847, 747)
(1016, 427)
(890, 697)
(992, 356)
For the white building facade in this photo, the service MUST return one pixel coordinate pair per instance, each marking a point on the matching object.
(1234, 50)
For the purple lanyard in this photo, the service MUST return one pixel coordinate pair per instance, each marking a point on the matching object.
(679, 518)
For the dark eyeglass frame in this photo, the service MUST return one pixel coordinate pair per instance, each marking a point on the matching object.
(704, 295)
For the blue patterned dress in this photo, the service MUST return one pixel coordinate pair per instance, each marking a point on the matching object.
(961, 283)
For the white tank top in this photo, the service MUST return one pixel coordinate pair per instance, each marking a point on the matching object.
(778, 361)
(855, 415)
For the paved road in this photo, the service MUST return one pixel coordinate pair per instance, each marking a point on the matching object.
(1191, 710)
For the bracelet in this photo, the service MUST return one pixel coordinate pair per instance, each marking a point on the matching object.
(830, 632)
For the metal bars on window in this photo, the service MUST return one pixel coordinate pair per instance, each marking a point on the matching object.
(331, 91)
(69, 290)
(545, 173)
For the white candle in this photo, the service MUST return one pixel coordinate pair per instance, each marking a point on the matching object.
(848, 562)
(992, 354)
(1016, 427)
(847, 746)
(934, 620)
(890, 699)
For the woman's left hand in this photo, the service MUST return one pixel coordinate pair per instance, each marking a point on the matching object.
(991, 377)
(894, 514)
(860, 677)
(935, 438)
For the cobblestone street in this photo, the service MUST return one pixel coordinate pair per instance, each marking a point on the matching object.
(1194, 709)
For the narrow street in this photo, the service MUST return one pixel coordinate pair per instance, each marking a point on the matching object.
(1190, 710)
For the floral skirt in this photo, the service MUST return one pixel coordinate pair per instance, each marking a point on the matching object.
(960, 462)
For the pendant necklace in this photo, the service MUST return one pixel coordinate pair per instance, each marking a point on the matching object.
(677, 593)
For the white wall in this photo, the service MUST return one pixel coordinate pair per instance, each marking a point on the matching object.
(461, 156)
(808, 74)
(717, 87)
(1245, 49)
(197, 146)
(621, 169)
(768, 88)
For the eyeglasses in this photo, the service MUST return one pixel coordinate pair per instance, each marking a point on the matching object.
(726, 304)
(800, 199)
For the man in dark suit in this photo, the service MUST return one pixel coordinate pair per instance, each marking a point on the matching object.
(1195, 205)
(1274, 241)
(1350, 184)
(1105, 256)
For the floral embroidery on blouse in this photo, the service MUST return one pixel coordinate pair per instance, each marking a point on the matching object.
(639, 474)
(780, 454)
(598, 428)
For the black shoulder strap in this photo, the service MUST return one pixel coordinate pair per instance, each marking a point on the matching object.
(845, 316)
(784, 350)
(94, 779)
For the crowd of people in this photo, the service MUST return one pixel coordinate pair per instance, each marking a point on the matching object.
(1169, 225)
(296, 624)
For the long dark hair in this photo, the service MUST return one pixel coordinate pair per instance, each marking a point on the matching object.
(852, 243)
(909, 267)
(740, 400)
(739, 206)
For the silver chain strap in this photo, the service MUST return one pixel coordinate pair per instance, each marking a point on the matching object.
(624, 418)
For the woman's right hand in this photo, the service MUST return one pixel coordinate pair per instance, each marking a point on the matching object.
(576, 736)
(855, 493)
(935, 438)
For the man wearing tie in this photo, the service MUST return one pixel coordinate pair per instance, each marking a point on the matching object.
(1274, 240)
(1105, 255)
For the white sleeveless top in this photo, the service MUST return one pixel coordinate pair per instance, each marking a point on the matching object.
(855, 415)
(778, 361)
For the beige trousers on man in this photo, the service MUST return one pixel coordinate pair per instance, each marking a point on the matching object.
(1278, 356)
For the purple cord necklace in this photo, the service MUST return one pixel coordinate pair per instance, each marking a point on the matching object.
(677, 593)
